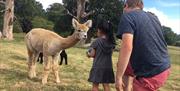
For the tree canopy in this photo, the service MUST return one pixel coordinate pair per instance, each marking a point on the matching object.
(28, 9)
(170, 37)
(54, 12)
(30, 14)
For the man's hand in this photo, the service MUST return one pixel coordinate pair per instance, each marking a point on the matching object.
(119, 84)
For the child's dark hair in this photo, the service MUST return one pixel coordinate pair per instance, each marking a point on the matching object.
(106, 27)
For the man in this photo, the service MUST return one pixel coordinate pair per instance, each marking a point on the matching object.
(144, 45)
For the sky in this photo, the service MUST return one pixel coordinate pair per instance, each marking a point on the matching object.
(168, 11)
(46, 3)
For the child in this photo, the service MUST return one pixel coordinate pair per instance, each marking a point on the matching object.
(101, 50)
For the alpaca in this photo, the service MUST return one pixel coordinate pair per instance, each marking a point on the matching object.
(50, 44)
(63, 55)
(40, 58)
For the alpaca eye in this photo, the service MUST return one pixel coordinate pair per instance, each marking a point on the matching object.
(79, 30)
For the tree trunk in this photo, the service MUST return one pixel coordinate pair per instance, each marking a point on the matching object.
(80, 9)
(8, 20)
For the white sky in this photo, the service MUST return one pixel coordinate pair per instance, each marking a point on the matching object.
(46, 3)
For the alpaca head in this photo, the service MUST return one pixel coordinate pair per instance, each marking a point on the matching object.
(81, 29)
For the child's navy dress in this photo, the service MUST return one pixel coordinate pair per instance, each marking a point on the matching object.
(102, 70)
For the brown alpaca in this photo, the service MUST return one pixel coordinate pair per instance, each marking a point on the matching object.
(50, 44)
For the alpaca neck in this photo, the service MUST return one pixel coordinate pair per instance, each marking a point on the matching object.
(69, 41)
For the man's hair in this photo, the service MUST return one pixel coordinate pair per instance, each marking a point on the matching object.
(133, 3)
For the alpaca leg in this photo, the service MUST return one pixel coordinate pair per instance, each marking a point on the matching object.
(61, 60)
(38, 60)
(41, 58)
(41, 62)
(55, 68)
(30, 58)
(47, 64)
(36, 55)
(66, 62)
(32, 63)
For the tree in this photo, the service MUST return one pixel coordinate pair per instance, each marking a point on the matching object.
(8, 19)
(54, 12)
(178, 37)
(62, 22)
(26, 11)
(169, 35)
(108, 10)
(63, 25)
(26, 25)
(84, 9)
(40, 22)
(71, 6)
(77, 9)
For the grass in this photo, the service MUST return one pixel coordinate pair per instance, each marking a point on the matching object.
(13, 70)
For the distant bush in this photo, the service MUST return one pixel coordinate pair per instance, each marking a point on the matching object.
(39, 22)
(17, 27)
(177, 43)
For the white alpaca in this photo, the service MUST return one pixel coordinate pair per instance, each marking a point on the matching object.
(50, 44)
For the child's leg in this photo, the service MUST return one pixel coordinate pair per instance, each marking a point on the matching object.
(95, 87)
(106, 87)
(128, 83)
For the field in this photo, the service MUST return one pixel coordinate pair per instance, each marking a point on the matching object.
(13, 70)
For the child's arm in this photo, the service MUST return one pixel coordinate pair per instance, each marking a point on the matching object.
(91, 52)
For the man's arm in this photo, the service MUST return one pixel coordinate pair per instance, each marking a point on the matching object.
(124, 54)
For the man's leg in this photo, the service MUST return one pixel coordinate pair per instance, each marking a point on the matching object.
(128, 83)
(128, 78)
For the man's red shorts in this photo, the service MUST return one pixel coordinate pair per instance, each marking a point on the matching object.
(148, 84)
(129, 71)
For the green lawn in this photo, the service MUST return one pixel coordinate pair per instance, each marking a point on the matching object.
(13, 70)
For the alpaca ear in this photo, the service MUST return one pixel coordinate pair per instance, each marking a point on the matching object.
(88, 23)
(75, 23)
